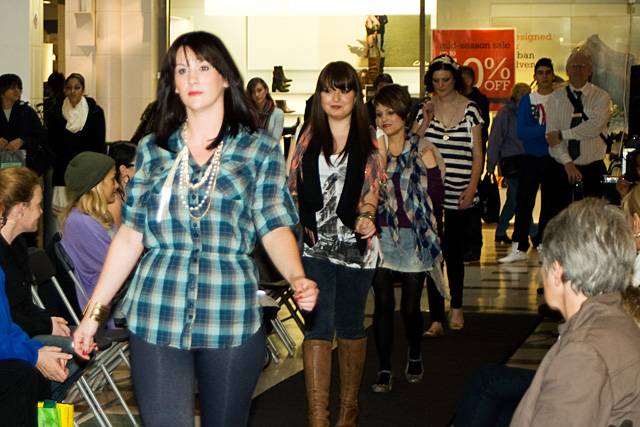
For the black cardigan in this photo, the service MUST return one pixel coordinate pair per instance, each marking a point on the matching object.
(24, 123)
(67, 145)
(18, 278)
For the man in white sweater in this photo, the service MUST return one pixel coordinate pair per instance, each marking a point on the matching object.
(577, 118)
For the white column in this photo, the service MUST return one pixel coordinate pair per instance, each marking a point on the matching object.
(108, 63)
(21, 45)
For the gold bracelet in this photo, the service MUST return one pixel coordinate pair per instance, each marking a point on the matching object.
(370, 204)
(98, 312)
(367, 215)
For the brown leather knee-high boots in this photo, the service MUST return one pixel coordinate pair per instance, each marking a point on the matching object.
(317, 376)
(351, 355)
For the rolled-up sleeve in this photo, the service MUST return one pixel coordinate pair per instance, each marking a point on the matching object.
(273, 205)
(134, 210)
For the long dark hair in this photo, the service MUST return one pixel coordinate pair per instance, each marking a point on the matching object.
(251, 86)
(261, 116)
(171, 110)
(341, 76)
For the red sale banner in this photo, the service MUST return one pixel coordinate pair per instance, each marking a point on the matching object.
(490, 52)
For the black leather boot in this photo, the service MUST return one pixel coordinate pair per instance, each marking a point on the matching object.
(278, 85)
(280, 72)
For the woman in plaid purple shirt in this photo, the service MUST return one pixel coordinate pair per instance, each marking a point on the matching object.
(207, 188)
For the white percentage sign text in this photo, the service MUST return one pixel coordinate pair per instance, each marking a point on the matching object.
(498, 74)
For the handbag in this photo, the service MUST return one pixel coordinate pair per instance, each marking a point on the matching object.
(509, 166)
(12, 159)
(53, 414)
(489, 198)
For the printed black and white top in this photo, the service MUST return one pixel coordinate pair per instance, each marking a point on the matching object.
(456, 146)
(336, 242)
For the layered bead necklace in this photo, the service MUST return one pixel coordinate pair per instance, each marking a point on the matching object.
(208, 180)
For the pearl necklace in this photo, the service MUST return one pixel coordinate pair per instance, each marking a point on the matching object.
(209, 178)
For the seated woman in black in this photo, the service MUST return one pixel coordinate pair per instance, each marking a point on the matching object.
(20, 127)
(21, 198)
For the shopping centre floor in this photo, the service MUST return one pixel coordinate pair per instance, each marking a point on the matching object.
(490, 287)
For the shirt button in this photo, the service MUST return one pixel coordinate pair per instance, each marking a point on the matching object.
(196, 234)
(193, 196)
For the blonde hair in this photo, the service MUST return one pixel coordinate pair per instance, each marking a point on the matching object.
(92, 203)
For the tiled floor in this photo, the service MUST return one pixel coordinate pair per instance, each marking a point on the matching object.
(490, 287)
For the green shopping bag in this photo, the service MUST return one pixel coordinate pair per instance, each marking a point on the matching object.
(53, 414)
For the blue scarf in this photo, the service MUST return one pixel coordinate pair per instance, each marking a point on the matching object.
(417, 203)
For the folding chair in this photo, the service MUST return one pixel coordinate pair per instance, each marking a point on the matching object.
(112, 345)
(270, 309)
(277, 288)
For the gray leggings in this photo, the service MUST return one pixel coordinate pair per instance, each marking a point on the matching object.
(164, 379)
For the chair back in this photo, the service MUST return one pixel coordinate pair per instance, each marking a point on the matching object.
(54, 285)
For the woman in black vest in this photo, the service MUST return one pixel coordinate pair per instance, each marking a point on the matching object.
(335, 174)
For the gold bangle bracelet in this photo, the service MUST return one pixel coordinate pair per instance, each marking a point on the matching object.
(367, 215)
(97, 312)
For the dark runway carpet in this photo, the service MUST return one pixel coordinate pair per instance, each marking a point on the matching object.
(449, 362)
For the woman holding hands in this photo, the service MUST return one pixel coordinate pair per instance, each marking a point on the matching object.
(206, 188)
(336, 170)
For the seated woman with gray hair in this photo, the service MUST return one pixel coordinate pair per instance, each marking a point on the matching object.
(591, 376)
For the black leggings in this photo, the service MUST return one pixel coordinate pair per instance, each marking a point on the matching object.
(385, 304)
(21, 387)
(164, 379)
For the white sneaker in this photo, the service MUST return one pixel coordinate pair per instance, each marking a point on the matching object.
(515, 255)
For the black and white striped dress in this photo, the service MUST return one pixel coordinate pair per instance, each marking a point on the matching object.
(456, 147)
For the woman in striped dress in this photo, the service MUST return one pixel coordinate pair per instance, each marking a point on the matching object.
(453, 124)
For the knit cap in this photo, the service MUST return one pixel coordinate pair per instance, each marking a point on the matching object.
(85, 171)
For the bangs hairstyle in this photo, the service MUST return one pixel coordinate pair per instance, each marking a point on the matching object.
(16, 186)
(395, 97)
(442, 66)
(171, 110)
(340, 76)
(8, 81)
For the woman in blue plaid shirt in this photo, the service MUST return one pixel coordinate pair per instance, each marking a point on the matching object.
(205, 191)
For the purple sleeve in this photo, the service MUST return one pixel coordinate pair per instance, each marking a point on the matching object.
(86, 241)
(436, 188)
